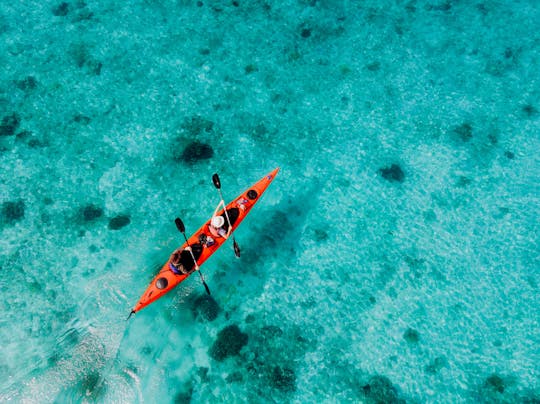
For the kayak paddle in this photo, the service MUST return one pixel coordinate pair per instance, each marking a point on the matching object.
(217, 184)
(182, 229)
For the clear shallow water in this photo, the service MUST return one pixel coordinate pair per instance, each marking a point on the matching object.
(421, 286)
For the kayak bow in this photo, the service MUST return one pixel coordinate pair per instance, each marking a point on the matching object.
(203, 243)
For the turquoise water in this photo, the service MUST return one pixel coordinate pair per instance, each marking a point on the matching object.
(394, 259)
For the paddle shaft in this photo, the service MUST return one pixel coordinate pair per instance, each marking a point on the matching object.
(225, 210)
(217, 184)
(191, 252)
(196, 265)
(180, 226)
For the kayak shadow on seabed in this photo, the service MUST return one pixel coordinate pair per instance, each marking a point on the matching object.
(286, 221)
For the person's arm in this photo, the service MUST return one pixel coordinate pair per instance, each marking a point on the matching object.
(221, 203)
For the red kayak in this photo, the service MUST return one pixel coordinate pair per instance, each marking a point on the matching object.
(205, 242)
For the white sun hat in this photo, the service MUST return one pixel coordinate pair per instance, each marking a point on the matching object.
(217, 221)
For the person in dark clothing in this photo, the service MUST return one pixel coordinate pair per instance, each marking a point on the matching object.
(176, 264)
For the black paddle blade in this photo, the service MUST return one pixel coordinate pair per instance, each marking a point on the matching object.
(130, 314)
(236, 249)
(180, 225)
(204, 283)
(206, 287)
(215, 180)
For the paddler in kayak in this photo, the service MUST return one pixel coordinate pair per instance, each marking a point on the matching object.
(176, 264)
(217, 224)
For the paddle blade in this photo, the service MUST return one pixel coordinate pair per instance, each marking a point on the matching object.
(236, 249)
(204, 283)
(130, 314)
(180, 225)
(206, 287)
(215, 180)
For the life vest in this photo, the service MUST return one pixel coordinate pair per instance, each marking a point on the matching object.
(175, 270)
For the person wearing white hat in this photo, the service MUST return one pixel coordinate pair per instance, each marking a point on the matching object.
(217, 223)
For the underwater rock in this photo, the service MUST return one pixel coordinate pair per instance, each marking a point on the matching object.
(436, 365)
(196, 151)
(250, 69)
(283, 379)
(34, 143)
(91, 212)
(80, 54)
(9, 124)
(509, 155)
(24, 135)
(183, 397)
(305, 33)
(273, 350)
(28, 83)
(495, 383)
(95, 67)
(234, 377)
(118, 222)
(146, 350)
(446, 6)
(529, 110)
(373, 66)
(532, 399)
(392, 173)
(463, 181)
(410, 7)
(79, 118)
(411, 336)
(492, 137)
(202, 372)
(482, 8)
(61, 10)
(320, 235)
(464, 132)
(260, 131)
(83, 59)
(205, 307)
(12, 211)
(230, 341)
(380, 390)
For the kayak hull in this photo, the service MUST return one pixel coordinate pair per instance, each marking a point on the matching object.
(237, 210)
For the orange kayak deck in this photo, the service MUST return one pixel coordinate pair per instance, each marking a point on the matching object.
(204, 243)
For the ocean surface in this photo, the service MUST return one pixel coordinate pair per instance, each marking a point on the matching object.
(394, 259)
